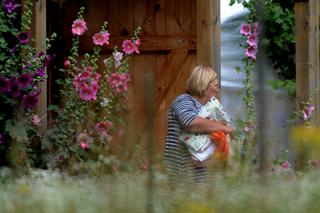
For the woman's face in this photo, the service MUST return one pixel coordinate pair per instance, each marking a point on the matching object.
(212, 89)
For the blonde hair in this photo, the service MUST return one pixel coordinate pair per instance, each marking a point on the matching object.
(199, 79)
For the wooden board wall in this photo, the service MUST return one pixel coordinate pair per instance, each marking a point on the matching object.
(168, 44)
(307, 55)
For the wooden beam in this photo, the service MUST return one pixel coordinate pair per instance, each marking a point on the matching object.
(40, 34)
(148, 43)
(208, 34)
(307, 54)
(168, 73)
(301, 11)
(314, 73)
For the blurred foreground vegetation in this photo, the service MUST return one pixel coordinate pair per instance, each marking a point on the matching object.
(50, 191)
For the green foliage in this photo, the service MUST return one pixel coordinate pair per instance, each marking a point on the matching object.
(279, 40)
(83, 128)
(22, 71)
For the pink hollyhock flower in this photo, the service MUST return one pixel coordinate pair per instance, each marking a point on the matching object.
(84, 145)
(79, 26)
(308, 112)
(103, 128)
(252, 40)
(95, 86)
(246, 129)
(36, 120)
(83, 139)
(101, 38)
(96, 76)
(106, 34)
(128, 47)
(251, 52)
(245, 29)
(137, 42)
(119, 81)
(67, 63)
(115, 80)
(286, 165)
(87, 93)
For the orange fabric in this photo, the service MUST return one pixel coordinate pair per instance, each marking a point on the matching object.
(222, 146)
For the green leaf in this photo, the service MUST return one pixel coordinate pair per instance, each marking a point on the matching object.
(16, 130)
(52, 107)
(238, 69)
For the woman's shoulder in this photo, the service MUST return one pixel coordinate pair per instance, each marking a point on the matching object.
(183, 97)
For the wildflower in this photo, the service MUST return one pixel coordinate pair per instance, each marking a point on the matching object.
(24, 37)
(285, 164)
(24, 80)
(15, 89)
(252, 40)
(83, 139)
(101, 38)
(87, 93)
(245, 29)
(104, 102)
(251, 52)
(67, 63)
(119, 81)
(117, 58)
(84, 145)
(40, 73)
(128, 47)
(103, 128)
(4, 85)
(36, 120)
(79, 26)
(30, 101)
(10, 5)
(246, 129)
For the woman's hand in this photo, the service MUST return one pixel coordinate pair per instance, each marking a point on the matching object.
(203, 125)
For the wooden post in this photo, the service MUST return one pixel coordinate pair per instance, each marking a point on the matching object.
(208, 33)
(40, 34)
(314, 73)
(307, 54)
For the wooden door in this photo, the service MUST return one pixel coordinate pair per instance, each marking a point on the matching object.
(168, 51)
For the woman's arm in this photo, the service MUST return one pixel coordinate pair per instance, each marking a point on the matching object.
(203, 125)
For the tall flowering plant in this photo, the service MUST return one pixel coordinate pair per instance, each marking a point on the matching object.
(250, 34)
(92, 96)
(22, 70)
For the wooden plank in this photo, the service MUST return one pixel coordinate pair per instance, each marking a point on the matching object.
(208, 33)
(114, 17)
(126, 19)
(148, 43)
(40, 42)
(169, 72)
(160, 17)
(139, 12)
(314, 73)
(307, 55)
(302, 63)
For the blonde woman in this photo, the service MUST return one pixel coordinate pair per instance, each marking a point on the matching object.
(183, 116)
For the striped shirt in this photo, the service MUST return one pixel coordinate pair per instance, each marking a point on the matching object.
(178, 159)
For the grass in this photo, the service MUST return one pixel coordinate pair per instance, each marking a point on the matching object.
(50, 191)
